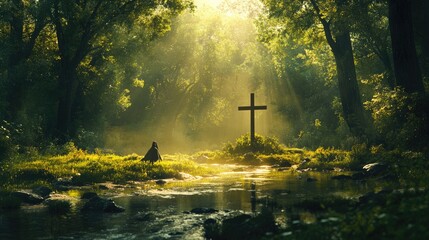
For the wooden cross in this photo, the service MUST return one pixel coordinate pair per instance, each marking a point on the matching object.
(252, 109)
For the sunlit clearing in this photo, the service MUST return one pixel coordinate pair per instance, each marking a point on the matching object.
(196, 77)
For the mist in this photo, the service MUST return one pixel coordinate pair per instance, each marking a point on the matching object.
(195, 78)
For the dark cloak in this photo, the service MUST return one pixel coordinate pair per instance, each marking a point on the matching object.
(153, 154)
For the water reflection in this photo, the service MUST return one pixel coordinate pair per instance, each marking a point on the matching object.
(253, 196)
(161, 212)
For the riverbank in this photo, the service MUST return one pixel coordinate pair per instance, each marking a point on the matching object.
(78, 167)
(367, 192)
(319, 197)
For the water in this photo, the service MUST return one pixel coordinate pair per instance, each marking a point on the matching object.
(162, 212)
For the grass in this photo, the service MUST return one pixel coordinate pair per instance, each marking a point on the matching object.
(85, 168)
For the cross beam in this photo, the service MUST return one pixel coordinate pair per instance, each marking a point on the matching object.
(252, 109)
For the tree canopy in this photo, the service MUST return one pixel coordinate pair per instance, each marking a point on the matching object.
(101, 73)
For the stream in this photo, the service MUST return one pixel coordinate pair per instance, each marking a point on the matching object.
(154, 211)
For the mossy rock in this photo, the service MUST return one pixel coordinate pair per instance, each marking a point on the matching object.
(58, 206)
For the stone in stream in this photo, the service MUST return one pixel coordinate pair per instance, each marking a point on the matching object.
(64, 184)
(203, 210)
(160, 182)
(211, 229)
(245, 226)
(27, 197)
(185, 176)
(42, 191)
(373, 169)
(99, 204)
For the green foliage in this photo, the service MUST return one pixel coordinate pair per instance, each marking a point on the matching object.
(400, 118)
(282, 160)
(9, 139)
(5, 146)
(329, 155)
(98, 44)
(262, 145)
(326, 159)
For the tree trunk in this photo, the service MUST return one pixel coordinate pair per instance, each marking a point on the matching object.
(407, 71)
(421, 33)
(387, 63)
(19, 50)
(67, 88)
(351, 102)
(14, 76)
(353, 111)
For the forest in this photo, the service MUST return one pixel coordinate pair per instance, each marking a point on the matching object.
(86, 86)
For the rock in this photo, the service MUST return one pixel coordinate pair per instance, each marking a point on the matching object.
(211, 229)
(103, 187)
(233, 224)
(160, 182)
(210, 221)
(186, 176)
(99, 204)
(111, 207)
(58, 206)
(63, 183)
(27, 197)
(281, 169)
(42, 191)
(88, 195)
(203, 210)
(374, 169)
(246, 227)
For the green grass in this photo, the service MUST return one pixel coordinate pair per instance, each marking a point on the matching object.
(85, 168)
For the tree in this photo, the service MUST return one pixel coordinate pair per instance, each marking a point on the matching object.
(80, 25)
(332, 18)
(421, 26)
(372, 37)
(407, 70)
(26, 20)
